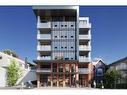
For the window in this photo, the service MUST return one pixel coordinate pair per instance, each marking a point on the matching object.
(55, 36)
(65, 47)
(55, 47)
(65, 36)
(0, 57)
(71, 36)
(55, 25)
(71, 58)
(55, 58)
(65, 25)
(61, 36)
(66, 58)
(61, 47)
(71, 47)
(61, 25)
(99, 72)
(71, 25)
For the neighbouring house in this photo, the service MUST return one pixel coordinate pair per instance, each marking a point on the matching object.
(121, 66)
(28, 73)
(63, 47)
(99, 68)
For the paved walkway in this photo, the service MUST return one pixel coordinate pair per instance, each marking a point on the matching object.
(46, 88)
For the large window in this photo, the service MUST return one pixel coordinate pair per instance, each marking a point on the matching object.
(99, 72)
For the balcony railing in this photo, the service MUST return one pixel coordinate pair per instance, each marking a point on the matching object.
(44, 25)
(84, 71)
(43, 70)
(84, 59)
(44, 48)
(84, 37)
(44, 36)
(84, 25)
(84, 48)
(44, 58)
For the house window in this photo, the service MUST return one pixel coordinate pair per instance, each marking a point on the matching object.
(65, 36)
(71, 58)
(55, 47)
(55, 36)
(99, 72)
(65, 25)
(61, 36)
(61, 47)
(71, 47)
(55, 25)
(55, 58)
(0, 57)
(61, 25)
(65, 47)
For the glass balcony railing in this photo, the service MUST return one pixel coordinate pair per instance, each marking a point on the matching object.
(84, 71)
(44, 25)
(44, 58)
(84, 59)
(84, 37)
(44, 70)
(44, 48)
(44, 36)
(84, 48)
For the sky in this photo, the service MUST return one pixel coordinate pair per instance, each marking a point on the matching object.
(109, 31)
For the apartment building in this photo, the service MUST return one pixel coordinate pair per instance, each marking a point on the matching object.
(63, 47)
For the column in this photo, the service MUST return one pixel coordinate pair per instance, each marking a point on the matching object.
(77, 75)
(64, 75)
(57, 75)
(38, 75)
(70, 73)
(51, 74)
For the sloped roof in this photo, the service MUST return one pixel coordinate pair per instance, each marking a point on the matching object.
(119, 61)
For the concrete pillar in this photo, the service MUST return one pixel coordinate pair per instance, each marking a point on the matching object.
(77, 75)
(38, 80)
(57, 75)
(64, 75)
(38, 18)
(51, 75)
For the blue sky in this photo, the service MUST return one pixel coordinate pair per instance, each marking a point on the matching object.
(109, 31)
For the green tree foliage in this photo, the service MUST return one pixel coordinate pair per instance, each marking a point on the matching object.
(13, 73)
(111, 77)
(10, 52)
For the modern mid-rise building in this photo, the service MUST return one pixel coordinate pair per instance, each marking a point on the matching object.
(64, 46)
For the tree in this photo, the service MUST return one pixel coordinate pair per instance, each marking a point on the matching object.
(111, 77)
(10, 52)
(13, 73)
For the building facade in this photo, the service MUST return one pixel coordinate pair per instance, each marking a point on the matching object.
(121, 66)
(27, 73)
(64, 47)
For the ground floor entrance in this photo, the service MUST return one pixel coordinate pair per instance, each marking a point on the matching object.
(61, 75)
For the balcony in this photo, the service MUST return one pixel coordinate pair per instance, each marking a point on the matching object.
(83, 71)
(44, 58)
(84, 59)
(43, 70)
(84, 25)
(84, 48)
(44, 25)
(84, 37)
(44, 48)
(43, 36)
